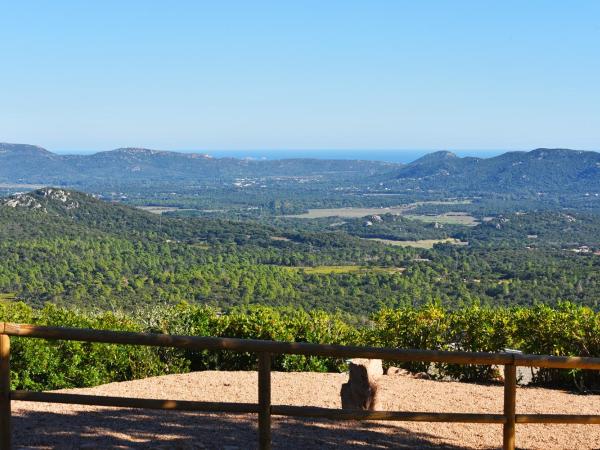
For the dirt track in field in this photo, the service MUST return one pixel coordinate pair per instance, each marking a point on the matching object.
(41, 425)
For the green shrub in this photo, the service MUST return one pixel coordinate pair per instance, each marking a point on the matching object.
(48, 364)
(424, 328)
(568, 330)
(40, 364)
(478, 329)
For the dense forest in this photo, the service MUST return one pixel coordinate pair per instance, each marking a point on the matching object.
(424, 277)
(70, 249)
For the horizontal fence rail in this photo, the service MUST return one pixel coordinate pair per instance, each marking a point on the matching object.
(264, 408)
(297, 348)
(127, 402)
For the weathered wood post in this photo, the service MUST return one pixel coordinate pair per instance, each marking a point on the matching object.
(510, 401)
(5, 431)
(264, 401)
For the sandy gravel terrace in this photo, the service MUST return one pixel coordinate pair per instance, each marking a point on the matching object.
(43, 426)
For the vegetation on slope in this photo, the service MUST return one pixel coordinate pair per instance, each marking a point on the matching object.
(75, 250)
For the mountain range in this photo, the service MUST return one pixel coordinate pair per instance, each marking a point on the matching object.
(540, 170)
(31, 164)
(533, 173)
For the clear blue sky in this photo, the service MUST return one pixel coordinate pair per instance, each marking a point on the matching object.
(331, 74)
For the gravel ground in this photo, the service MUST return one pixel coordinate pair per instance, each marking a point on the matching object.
(41, 425)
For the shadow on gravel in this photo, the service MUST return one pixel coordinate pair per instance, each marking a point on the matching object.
(126, 428)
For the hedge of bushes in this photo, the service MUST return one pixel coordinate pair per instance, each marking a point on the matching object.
(38, 364)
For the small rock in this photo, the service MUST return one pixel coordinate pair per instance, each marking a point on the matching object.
(397, 371)
(422, 376)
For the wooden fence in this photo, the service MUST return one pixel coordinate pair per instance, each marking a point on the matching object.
(264, 408)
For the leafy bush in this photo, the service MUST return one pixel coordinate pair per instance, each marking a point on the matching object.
(39, 364)
(46, 364)
(568, 330)
(258, 322)
(426, 327)
(478, 329)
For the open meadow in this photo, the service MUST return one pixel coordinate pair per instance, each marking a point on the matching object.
(421, 243)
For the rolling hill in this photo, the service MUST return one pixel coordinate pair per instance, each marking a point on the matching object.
(538, 171)
(21, 163)
(548, 178)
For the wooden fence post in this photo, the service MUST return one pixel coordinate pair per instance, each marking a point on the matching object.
(5, 431)
(264, 401)
(510, 401)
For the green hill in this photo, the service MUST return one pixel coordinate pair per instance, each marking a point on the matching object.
(556, 171)
(21, 163)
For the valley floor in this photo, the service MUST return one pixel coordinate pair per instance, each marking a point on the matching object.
(39, 425)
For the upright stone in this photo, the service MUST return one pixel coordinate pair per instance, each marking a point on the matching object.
(360, 392)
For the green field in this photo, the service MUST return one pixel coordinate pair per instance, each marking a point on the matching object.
(451, 218)
(348, 212)
(23, 186)
(161, 209)
(362, 212)
(423, 243)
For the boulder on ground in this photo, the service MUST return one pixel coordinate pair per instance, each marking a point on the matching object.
(422, 376)
(397, 371)
(360, 392)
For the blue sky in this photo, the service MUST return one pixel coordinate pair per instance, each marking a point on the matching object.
(300, 75)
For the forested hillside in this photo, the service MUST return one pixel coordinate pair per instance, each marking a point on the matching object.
(123, 166)
(71, 249)
(539, 171)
